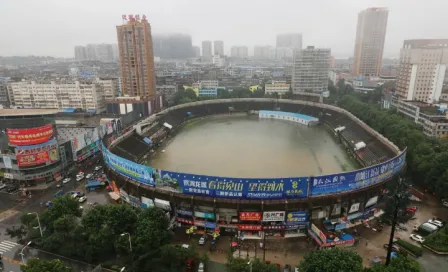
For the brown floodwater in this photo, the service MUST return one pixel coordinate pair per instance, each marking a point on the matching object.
(246, 146)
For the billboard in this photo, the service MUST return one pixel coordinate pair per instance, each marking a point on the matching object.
(37, 154)
(296, 218)
(30, 136)
(273, 216)
(147, 202)
(82, 140)
(250, 216)
(342, 182)
(135, 171)
(247, 188)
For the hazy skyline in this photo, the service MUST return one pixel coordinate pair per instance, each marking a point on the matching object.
(54, 27)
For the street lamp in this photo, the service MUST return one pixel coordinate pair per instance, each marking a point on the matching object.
(21, 252)
(250, 266)
(38, 221)
(122, 269)
(130, 244)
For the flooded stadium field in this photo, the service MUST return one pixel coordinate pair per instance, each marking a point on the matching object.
(245, 146)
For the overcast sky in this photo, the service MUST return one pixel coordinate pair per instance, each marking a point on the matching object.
(54, 27)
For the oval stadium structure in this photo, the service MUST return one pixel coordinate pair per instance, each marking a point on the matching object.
(256, 207)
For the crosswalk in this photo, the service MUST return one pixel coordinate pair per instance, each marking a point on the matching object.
(6, 246)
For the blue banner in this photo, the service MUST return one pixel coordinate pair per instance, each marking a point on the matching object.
(342, 182)
(184, 212)
(296, 218)
(210, 225)
(135, 171)
(278, 188)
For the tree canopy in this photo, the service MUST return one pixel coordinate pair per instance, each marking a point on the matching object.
(331, 260)
(37, 265)
(399, 264)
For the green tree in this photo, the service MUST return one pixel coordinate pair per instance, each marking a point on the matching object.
(241, 93)
(224, 94)
(62, 206)
(37, 265)
(288, 94)
(398, 264)
(395, 189)
(331, 260)
(185, 96)
(18, 233)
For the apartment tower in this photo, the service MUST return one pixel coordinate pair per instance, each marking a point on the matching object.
(422, 70)
(136, 57)
(206, 48)
(218, 48)
(310, 71)
(369, 44)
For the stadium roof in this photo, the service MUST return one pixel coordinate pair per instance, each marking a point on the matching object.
(26, 112)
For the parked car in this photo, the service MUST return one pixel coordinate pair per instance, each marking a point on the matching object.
(202, 240)
(82, 199)
(2, 186)
(435, 223)
(59, 185)
(417, 238)
(79, 178)
(98, 167)
(11, 189)
(66, 180)
(90, 175)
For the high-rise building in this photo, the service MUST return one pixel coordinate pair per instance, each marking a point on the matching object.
(80, 53)
(88, 95)
(422, 70)
(136, 58)
(105, 52)
(263, 52)
(173, 46)
(206, 48)
(197, 51)
(238, 51)
(218, 48)
(369, 45)
(291, 40)
(310, 72)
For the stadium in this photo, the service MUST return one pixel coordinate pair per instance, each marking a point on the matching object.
(314, 204)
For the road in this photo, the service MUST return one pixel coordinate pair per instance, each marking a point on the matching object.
(11, 249)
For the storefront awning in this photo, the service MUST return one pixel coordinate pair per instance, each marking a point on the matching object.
(114, 195)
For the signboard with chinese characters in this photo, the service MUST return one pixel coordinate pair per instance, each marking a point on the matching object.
(250, 216)
(30, 136)
(249, 227)
(296, 218)
(242, 188)
(207, 215)
(319, 233)
(331, 184)
(32, 155)
(273, 216)
(184, 212)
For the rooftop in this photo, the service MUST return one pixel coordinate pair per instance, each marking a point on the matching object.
(27, 112)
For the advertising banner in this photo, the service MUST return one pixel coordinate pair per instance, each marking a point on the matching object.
(185, 221)
(372, 201)
(124, 196)
(8, 175)
(341, 226)
(163, 204)
(273, 216)
(319, 233)
(7, 162)
(354, 216)
(135, 171)
(184, 212)
(134, 201)
(296, 218)
(30, 136)
(37, 154)
(250, 216)
(210, 225)
(147, 202)
(249, 227)
(233, 187)
(331, 184)
(85, 139)
(354, 207)
(274, 227)
(204, 215)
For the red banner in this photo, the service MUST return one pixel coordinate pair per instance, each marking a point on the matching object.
(249, 227)
(42, 157)
(185, 221)
(30, 136)
(250, 216)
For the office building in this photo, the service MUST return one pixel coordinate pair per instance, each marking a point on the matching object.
(218, 48)
(80, 53)
(209, 84)
(173, 46)
(88, 95)
(276, 87)
(111, 87)
(310, 71)
(422, 70)
(291, 40)
(207, 49)
(282, 53)
(138, 77)
(369, 44)
(238, 52)
(197, 51)
(95, 52)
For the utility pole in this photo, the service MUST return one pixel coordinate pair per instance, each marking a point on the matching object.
(398, 196)
(264, 243)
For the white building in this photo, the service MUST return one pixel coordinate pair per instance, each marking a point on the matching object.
(310, 72)
(219, 61)
(110, 86)
(276, 87)
(284, 53)
(88, 96)
(209, 84)
(422, 70)
(218, 48)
